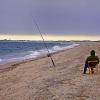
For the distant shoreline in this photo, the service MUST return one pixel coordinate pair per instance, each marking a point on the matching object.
(52, 40)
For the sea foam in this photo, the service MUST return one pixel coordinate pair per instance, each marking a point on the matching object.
(37, 53)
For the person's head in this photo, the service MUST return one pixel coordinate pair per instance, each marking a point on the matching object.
(92, 53)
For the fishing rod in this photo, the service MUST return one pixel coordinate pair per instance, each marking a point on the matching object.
(49, 55)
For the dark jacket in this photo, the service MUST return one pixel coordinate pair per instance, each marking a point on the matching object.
(92, 57)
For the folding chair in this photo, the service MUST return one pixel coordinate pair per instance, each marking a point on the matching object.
(92, 65)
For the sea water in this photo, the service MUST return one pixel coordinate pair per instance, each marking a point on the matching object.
(11, 51)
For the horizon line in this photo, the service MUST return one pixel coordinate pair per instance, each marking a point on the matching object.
(50, 37)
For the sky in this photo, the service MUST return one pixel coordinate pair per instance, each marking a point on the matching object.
(57, 19)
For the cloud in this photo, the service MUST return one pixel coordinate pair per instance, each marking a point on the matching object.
(53, 16)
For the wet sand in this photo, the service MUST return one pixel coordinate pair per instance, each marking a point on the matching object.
(39, 80)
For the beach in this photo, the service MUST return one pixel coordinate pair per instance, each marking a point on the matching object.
(40, 80)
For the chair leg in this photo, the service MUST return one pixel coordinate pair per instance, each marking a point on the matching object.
(89, 70)
(92, 70)
(97, 69)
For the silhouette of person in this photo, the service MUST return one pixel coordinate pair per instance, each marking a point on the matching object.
(92, 57)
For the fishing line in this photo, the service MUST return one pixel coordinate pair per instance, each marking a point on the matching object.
(49, 55)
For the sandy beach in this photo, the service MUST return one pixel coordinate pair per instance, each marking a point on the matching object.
(39, 80)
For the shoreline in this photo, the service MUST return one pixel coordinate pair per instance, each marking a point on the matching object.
(10, 65)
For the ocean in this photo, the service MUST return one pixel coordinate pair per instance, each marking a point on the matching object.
(11, 51)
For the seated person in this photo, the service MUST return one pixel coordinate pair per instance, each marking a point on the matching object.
(92, 57)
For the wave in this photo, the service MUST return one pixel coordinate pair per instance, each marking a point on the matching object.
(57, 48)
(0, 60)
(34, 54)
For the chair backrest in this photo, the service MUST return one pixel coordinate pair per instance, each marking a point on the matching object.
(92, 63)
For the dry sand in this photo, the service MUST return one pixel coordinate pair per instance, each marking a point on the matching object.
(39, 80)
